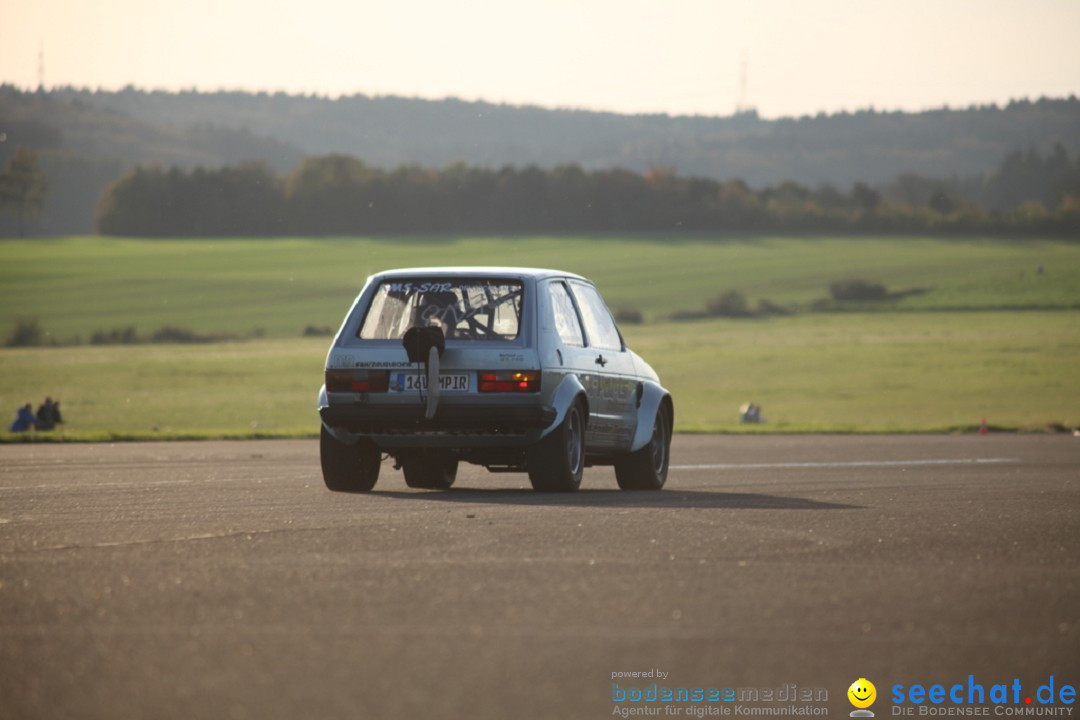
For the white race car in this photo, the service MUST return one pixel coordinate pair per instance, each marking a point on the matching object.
(509, 368)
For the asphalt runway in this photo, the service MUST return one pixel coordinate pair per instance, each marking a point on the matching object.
(221, 580)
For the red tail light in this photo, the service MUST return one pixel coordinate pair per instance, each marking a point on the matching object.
(357, 381)
(521, 381)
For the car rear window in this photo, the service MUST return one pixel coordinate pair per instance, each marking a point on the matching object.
(470, 309)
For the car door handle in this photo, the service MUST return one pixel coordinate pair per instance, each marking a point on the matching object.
(601, 361)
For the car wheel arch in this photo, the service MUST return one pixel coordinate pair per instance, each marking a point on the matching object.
(653, 397)
(570, 391)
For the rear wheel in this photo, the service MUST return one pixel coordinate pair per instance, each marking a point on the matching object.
(647, 468)
(430, 471)
(557, 461)
(348, 468)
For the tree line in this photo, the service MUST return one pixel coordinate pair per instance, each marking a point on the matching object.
(22, 186)
(85, 139)
(341, 195)
(192, 128)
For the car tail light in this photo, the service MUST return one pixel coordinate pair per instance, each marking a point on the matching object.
(522, 381)
(357, 381)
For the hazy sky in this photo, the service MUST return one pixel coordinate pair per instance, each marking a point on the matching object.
(671, 56)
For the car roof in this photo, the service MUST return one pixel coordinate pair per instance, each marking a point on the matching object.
(473, 272)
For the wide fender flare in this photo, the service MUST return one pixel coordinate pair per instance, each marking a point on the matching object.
(652, 396)
(338, 434)
(569, 390)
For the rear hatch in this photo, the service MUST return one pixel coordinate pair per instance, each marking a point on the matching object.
(484, 324)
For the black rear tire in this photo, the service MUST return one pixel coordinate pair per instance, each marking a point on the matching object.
(430, 471)
(556, 463)
(348, 468)
(647, 468)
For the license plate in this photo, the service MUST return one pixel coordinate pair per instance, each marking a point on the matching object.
(447, 383)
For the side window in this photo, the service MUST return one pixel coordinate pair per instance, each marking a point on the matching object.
(598, 323)
(566, 319)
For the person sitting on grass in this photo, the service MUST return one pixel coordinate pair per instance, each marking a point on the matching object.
(750, 413)
(48, 415)
(24, 419)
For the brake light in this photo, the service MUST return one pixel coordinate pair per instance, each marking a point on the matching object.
(357, 381)
(522, 381)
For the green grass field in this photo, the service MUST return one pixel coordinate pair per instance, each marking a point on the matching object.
(991, 338)
(75, 286)
(895, 372)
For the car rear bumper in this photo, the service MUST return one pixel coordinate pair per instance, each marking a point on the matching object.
(455, 425)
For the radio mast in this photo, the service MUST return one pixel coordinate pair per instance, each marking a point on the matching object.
(744, 71)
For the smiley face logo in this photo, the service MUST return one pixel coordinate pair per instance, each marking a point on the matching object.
(862, 693)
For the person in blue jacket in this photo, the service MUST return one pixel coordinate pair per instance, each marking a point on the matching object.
(24, 419)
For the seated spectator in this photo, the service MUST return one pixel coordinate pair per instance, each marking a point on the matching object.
(24, 419)
(750, 413)
(48, 415)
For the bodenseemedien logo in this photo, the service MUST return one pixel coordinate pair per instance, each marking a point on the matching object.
(862, 695)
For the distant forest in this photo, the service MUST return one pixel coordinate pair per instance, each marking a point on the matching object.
(952, 168)
(340, 195)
